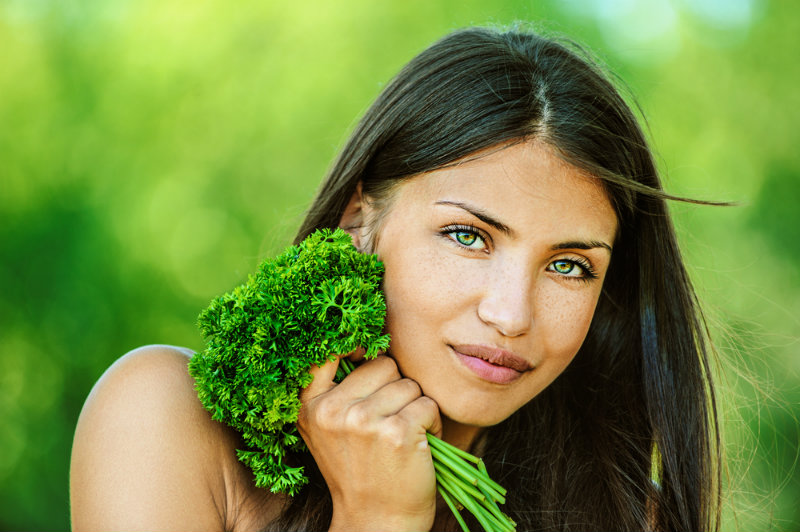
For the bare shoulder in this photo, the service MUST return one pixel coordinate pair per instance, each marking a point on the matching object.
(147, 455)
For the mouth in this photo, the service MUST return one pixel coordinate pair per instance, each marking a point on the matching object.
(491, 363)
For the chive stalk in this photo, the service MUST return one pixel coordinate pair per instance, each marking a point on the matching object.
(454, 509)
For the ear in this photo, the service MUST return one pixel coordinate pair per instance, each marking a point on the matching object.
(353, 220)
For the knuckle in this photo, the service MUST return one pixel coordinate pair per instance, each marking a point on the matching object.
(394, 433)
(323, 410)
(323, 415)
(387, 365)
(357, 416)
(427, 403)
(412, 386)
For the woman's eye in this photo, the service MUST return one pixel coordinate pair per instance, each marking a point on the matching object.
(467, 238)
(567, 268)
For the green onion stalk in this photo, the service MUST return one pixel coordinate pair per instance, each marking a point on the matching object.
(315, 299)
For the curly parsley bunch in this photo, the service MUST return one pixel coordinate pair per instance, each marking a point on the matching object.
(317, 299)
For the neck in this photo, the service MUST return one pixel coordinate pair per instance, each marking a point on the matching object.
(458, 434)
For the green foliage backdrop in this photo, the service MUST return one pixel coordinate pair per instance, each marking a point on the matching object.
(153, 151)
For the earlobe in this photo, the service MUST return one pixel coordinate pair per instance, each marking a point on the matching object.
(352, 220)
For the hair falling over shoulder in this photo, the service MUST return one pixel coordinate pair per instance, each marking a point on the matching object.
(626, 438)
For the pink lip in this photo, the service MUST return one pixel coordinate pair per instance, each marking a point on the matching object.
(492, 364)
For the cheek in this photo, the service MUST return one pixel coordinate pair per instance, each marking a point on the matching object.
(563, 321)
(429, 294)
(419, 288)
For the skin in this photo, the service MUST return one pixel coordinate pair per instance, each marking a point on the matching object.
(148, 456)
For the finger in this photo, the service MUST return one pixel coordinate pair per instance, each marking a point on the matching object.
(322, 380)
(424, 413)
(357, 355)
(392, 397)
(369, 377)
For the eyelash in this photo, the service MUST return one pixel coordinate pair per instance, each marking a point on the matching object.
(589, 273)
(449, 231)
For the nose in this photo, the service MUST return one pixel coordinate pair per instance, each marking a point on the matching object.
(507, 302)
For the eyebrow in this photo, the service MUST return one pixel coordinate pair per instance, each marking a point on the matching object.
(577, 244)
(480, 215)
(500, 226)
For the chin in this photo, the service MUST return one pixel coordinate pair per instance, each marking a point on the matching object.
(468, 414)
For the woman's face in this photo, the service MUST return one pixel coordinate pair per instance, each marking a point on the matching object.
(493, 271)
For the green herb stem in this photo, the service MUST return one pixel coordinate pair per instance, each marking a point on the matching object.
(474, 508)
(491, 493)
(484, 477)
(346, 365)
(470, 487)
(447, 499)
(461, 482)
(495, 510)
(459, 467)
(450, 448)
(448, 455)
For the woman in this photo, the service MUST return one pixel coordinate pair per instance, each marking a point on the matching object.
(539, 311)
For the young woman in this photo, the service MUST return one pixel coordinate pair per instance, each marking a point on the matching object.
(539, 311)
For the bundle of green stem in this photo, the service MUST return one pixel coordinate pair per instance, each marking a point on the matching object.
(301, 309)
(461, 486)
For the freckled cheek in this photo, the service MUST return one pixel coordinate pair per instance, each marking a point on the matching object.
(564, 321)
(423, 289)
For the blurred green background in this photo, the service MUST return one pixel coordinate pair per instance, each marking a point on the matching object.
(152, 152)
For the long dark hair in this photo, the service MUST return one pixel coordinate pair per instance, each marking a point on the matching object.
(626, 438)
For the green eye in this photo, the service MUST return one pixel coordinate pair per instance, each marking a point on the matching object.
(578, 269)
(564, 267)
(465, 238)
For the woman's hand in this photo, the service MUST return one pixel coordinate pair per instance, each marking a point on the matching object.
(367, 435)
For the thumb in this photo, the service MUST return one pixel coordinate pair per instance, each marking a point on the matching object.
(322, 380)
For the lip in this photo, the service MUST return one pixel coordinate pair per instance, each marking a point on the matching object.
(491, 363)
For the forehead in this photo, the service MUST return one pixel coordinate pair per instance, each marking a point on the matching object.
(523, 183)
